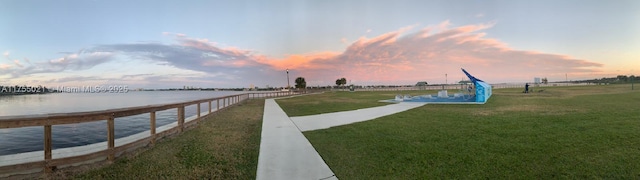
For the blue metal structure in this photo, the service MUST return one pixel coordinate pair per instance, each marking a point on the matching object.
(483, 90)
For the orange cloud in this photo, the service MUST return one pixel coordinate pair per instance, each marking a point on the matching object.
(307, 61)
(5, 66)
(397, 57)
(428, 54)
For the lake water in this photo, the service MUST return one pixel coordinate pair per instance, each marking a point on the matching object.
(28, 139)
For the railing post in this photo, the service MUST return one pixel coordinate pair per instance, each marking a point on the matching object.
(218, 106)
(224, 102)
(209, 106)
(181, 117)
(111, 138)
(152, 127)
(47, 149)
(198, 119)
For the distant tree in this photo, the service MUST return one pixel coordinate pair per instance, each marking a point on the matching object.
(622, 78)
(545, 81)
(301, 83)
(341, 82)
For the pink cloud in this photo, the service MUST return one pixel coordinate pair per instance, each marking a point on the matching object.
(17, 63)
(302, 62)
(431, 52)
(5, 66)
(404, 56)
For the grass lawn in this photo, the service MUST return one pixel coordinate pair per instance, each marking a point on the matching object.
(587, 132)
(339, 101)
(224, 146)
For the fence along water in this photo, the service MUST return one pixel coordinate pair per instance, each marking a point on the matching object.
(48, 160)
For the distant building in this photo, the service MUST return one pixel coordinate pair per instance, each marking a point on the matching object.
(536, 80)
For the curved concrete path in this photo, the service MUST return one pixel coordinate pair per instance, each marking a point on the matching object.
(324, 121)
(285, 153)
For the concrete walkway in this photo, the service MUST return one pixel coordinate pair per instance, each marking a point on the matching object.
(286, 154)
(324, 121)
(284, 151)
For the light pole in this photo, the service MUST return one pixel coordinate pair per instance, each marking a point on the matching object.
(288, 86)
(445, 79)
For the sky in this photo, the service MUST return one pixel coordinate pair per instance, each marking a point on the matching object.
(172, 44)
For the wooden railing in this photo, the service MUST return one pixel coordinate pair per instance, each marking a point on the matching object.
(48, 164)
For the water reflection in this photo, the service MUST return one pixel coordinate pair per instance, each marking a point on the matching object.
(27, 139)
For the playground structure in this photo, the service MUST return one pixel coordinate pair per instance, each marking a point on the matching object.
(477, 92)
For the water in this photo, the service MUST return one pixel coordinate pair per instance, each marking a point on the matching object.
(28, 139)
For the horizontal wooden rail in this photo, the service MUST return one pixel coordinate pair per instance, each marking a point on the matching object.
(111, 152)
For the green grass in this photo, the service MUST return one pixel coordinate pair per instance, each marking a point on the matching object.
(588, 132)
(339, 101)
(224, 146)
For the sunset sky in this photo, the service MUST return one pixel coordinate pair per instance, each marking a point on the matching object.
(171, 44)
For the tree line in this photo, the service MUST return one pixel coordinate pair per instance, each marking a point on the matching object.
(301, 83)
(620, 79)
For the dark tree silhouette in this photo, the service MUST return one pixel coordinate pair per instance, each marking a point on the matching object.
(301, 83)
